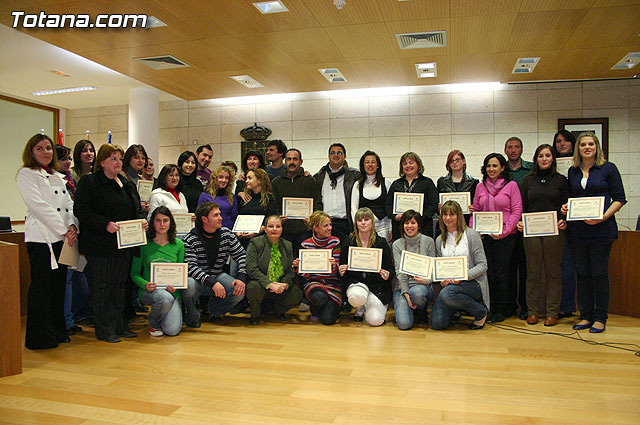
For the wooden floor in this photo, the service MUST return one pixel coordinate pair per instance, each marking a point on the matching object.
(306, 373)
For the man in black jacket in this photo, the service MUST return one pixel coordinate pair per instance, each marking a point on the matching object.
(335, 181)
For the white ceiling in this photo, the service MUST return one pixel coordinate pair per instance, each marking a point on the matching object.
(26, 67)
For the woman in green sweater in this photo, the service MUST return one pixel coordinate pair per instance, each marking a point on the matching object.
(165, 317)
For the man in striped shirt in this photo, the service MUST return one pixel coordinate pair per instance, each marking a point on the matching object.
(206, 249)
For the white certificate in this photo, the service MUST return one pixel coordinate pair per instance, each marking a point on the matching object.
(144, 189)
(540, 224)
(563, 164)
(297, 207)
(248, 224)
(131, 233)
(184, 223)
(315, 261)
(416, 265)
(403, 201)
(450, 268)
(585, 208)
(462, 198)
(487, 223)
(169, 274)
(365, 259)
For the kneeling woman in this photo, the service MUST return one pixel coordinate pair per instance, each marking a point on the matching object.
(271, 275)
(369, 293)
(413, 293)
(470, 295)
(163, 247)
(323, 290)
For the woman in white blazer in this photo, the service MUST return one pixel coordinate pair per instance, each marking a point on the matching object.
(169, 192)
(49, 220)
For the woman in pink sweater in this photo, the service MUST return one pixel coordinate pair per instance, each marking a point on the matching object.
(497, 192)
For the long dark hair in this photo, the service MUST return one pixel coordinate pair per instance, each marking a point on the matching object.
(503, 163)
(162, 177)
(183, 158)
(77, 156)
(536, 167)
(246, 157)
(569, 137)
(171, 234)
(131, 152)
(28, 161)
(363, 175)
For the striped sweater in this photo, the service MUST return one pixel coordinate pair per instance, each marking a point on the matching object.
(329, 282)
(196, 256)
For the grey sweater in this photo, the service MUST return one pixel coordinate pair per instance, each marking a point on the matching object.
(427, 247)
(477, 262)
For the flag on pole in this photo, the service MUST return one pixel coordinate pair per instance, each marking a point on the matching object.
(60, 137)
(87, 134)
(109, 138)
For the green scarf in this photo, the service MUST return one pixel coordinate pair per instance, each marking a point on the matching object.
(275, 271)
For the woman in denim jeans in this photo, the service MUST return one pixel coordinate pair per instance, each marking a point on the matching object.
(470, 295)
(413, 293)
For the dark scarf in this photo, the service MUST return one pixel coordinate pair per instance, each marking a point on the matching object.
(334, 175)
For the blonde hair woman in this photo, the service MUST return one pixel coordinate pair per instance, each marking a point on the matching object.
(369, 293)
(220, 191)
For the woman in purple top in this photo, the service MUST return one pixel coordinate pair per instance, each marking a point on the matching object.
(220, 191)
(497, 192)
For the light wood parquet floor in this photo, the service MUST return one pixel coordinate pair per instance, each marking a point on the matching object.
(304, 373)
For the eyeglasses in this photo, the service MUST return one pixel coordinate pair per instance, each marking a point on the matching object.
(339, 153)
(455, 160)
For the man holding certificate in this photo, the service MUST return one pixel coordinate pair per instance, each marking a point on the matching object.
(293, 183)
(367, 276)
(207, 247)
(543, 193)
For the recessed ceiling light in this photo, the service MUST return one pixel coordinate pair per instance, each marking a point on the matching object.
(153, 22)
(60, 73)
(333, 75)
(630, 60)
(525, 65)
(266, 7)
(59, 91)
(246, 81)
(426, 70)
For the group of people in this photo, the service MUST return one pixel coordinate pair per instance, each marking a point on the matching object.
(351, 208)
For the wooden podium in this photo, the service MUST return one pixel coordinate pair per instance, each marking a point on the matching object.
(10, 336)
(624, 273)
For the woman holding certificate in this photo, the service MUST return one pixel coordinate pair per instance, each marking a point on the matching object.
(323, 290)
(470, 295)
(414, 292)
(103, 199)
(457, 180)
(367, 276)
(412, 181)
(370, 190)
(270, 271)
(257, 200)
(220, 191)
(498, 193)
(165, 317)
(251, 161)
(169, 194)
(49, 221)
(591, 239)
(544, 190)
(191, 186)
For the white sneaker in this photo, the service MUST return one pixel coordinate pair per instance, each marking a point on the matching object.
(155, 332)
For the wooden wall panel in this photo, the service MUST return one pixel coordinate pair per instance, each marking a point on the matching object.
(624, 271)
(10, 335)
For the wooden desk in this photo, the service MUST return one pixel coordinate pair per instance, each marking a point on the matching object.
(25, 266)
(624, 271)
(10, 335)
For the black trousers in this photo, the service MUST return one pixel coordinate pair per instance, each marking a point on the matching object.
(110, 274)
(498, 254)
(45, 311)
(518, 276)
(323, 307)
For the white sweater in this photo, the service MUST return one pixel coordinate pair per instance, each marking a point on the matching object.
(160, 197)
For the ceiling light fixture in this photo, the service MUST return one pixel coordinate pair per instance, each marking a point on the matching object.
(60, 91)
(60, 73)
(153, 22)
(333, 75)
(246, 81)
(267, 7)
(525, 65)
(630, 60)
(426, 70)
(339, 4)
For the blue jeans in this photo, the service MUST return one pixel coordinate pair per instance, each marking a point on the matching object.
(466, 296)
(217, 306)
(81, 298)
(592, 267)
(568, 303)
(166, 311)
(420, 296)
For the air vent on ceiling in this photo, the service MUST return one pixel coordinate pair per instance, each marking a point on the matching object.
(422, 40)
(163, 62)
(630, 60)
(333, 75)
(525, 65)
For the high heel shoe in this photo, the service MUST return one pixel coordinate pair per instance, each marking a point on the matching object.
(582, 327)
(475, 326)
